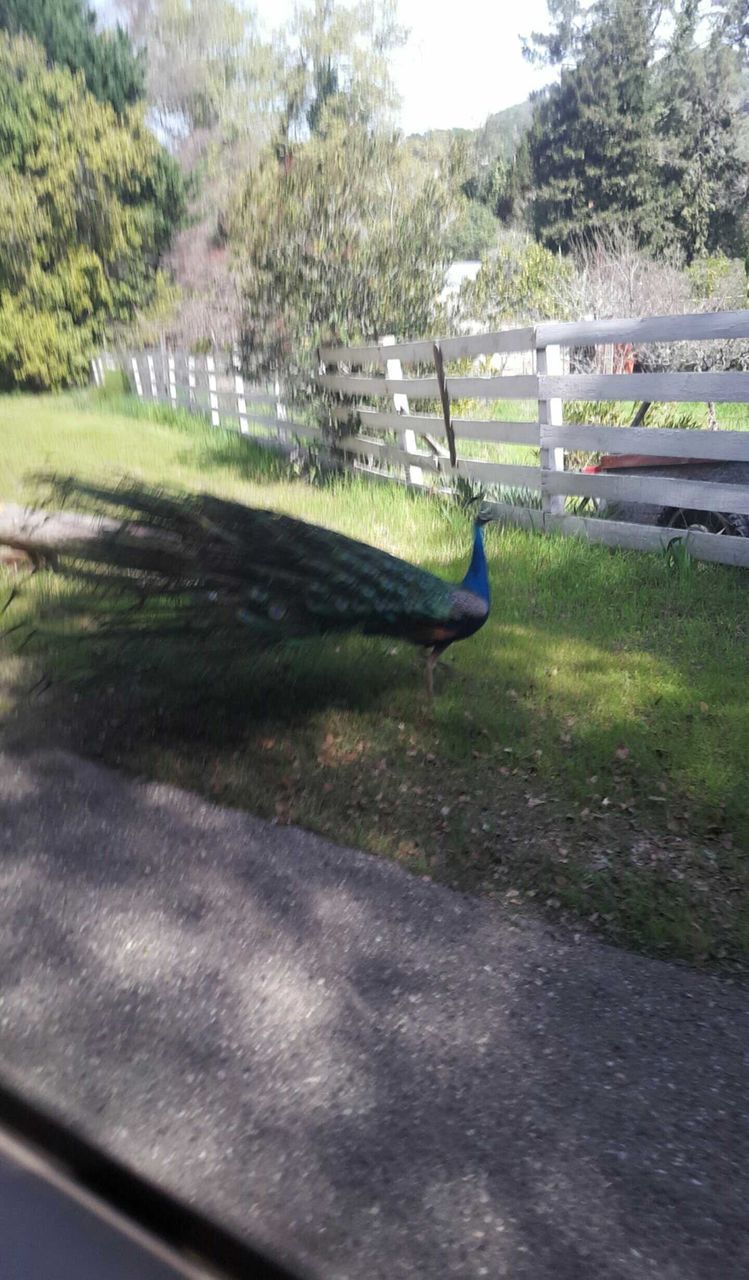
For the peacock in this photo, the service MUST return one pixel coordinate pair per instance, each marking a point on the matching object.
(197, 563)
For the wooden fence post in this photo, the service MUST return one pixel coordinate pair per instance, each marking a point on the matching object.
(550, 414)
(281, 413)
(394, 369)
(172, 381)
(210, 365)
(191, 383)
(152, 376)
(239, 392)
(136, 375)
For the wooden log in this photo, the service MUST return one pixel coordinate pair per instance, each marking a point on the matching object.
(39, 532)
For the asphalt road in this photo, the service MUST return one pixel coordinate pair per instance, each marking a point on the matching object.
(373, 1074)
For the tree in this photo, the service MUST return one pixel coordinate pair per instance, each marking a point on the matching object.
(231, 102)
(336, 62)
(472, 233)
(701, 171)
(592, 141)
(88, 204)
(208, 69)
(641, 131)
(215, 90)
(508, 185)
(522, 282)
(335, 244)
(66, 29)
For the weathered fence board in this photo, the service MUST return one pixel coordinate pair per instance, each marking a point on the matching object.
(496, 432)
(732, 446)
(467, 346)
(509, 387)
(680, 387)
(648, 329)
(640, 537)
(355, 385)
(651, 490)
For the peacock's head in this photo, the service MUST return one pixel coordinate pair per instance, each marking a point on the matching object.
(479, 508)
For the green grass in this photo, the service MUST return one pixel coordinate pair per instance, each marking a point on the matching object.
(586, 753)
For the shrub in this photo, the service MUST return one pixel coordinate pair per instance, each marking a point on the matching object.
(88, 203)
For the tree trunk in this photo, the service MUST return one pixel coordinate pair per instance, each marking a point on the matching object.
(39, 534)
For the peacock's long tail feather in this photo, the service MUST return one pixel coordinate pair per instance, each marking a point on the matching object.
(196, 563)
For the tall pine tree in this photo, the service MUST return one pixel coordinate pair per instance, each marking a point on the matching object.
(67, 31)
(702, 175)
(593, 143)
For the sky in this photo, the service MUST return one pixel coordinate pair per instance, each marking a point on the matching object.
(461, 67)
(462, 61)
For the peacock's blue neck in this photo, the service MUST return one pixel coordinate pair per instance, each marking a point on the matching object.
(477, 578)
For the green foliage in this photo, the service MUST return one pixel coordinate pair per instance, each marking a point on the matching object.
(678, 557)
(502, 134)
(473, 231)
(504, 186)
(716, 276)
(206, 67)
(87, 206)
(702, 174)
(66, 29)
(521, 282)
(617, 413)
(592, 136)
(336, 63)
(633, 139)
(335, 244)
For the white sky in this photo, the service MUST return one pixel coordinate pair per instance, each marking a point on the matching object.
(462, 62)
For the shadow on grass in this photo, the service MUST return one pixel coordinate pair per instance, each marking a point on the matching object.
(577, 752)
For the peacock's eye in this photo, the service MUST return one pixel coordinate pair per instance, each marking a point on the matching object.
(277, 612)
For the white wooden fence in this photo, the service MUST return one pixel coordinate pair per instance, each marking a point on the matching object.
(401, 428)
(213, 385)
(372, 402)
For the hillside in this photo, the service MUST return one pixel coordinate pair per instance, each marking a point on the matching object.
(498, 136)
(501, 133)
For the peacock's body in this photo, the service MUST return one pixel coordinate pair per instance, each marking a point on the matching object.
(198, 562)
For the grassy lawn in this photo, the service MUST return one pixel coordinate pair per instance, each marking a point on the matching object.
(586, 755)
